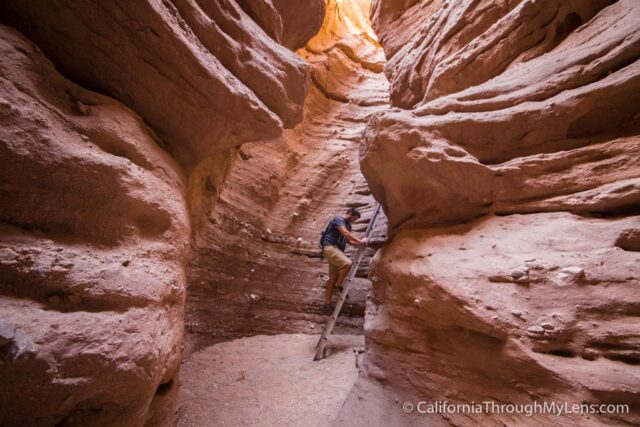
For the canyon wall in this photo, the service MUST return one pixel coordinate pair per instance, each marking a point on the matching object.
(119, 120)
(508, 167)
(256, 266)
(93, 243)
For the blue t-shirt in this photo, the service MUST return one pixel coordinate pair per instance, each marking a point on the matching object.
(333, 236)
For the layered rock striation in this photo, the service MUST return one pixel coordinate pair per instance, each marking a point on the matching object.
(556, 122)
(108, 158)
(203, 74)
(93, 244)
(257, 267)
(508, 169)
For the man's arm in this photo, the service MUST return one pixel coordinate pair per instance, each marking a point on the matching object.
(350, 237)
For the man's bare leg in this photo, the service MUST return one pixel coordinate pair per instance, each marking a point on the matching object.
(342, 273)
(328, 292)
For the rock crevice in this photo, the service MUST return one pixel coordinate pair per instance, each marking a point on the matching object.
(258, 249)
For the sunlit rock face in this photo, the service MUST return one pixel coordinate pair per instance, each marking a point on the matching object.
(99, 195)
(257, 266)
(509, 171)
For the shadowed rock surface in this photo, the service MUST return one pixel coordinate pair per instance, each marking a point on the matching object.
(96, 216)
(203, 74)
(94, 238)
(525, 115)
(289, 22)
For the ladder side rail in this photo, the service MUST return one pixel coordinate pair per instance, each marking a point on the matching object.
(343, 295)
(345, 290)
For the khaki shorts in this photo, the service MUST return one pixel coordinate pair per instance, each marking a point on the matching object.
(336, 259)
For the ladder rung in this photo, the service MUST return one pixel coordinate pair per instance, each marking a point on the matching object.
(320, 350)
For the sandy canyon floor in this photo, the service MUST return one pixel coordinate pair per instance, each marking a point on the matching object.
(268, 380)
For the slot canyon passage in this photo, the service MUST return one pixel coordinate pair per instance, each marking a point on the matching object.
(168, 166)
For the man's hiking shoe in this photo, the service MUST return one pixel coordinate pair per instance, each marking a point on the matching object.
(327, 308)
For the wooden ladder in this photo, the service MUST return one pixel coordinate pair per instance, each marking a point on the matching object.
(346, 284)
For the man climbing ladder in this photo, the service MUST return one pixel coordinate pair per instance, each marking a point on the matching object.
(333, 242)
(346, 282)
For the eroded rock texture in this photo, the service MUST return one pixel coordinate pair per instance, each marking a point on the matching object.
(94, 232)
(289, 22)
(257, 268)
(553, 128)
(525, 114)
(203, 74)
(98, 196)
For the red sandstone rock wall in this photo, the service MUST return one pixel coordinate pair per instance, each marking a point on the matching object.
(99, 197)
(203, 74)
(92, 248)
(289, 22)
(520, 122)
(256, 267)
